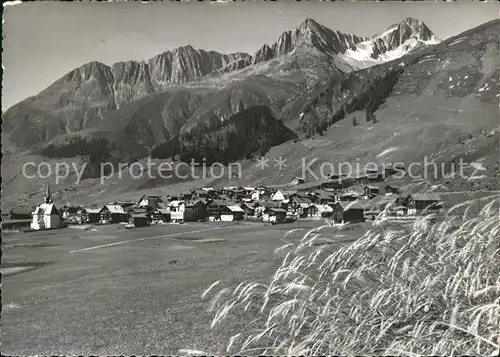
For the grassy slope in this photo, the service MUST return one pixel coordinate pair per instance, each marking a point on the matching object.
(430, 289)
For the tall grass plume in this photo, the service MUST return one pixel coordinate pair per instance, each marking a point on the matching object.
(429, 289)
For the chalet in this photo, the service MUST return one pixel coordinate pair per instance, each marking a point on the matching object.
(256, 194)
(168, 198)
(391, 189)
(379, 204)
(260, 208)
(371, 191)
(223, 197)
(90, 215)
(184, 196)
(322, 211)
(344, 212)
(214, 208)
(348, 196)
(300, 200)
(274, 215)
(311, 212)
(145, 211)
(161, 215)
(375, 175)
(237, 194)
(150, 201)
(360, 179)
(231, 213)
(336, 184)
(226, 190)
(424, 201)
(195, 210)
(322, 197)
(70, 211)
(265, 193)
(250, 208)
(298, 205)
(365, 204)
(113, 214)
(176, 209)
(139, 220)
(200, 193)
(406, 206)
(19, 215)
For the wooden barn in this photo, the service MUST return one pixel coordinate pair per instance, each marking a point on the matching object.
(348, 212)
(274, 215)
(161, 215)
(139, 220)
(231, 213)
(371, 191)
(195, 210)
(250, 208)
(424, 201)
(90, 215)
(18, 214)
(392, 189)
(113, 214)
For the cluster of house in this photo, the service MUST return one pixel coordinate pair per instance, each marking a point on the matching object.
(305, 201)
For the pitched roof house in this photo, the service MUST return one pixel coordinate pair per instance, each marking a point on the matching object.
(347, 211)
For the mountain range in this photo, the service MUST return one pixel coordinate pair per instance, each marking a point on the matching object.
(312, 79)
(89, 95)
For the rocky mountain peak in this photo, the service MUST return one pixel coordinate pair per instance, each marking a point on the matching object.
(409, 28)
(90, 70)
(184, 49)
(309, 25)
(309, 34)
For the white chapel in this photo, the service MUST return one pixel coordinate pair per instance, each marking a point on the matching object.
(46, 215)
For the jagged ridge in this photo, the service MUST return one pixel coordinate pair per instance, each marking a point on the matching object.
(87, 95)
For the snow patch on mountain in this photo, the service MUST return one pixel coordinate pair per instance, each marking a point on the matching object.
(362, 56)
(391, 44)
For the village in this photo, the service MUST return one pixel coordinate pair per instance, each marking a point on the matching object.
(338, 199)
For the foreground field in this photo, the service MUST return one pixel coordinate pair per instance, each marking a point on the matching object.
(108, 290)
(431, 288)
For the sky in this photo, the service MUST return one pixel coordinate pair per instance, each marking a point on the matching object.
(42, 41)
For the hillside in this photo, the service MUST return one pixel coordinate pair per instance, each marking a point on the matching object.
(442, 103)
(248, 133)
